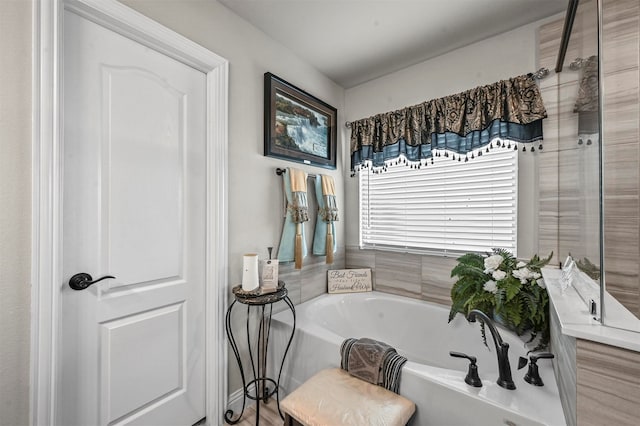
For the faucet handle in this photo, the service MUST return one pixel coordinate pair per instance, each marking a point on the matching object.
(522, 362)
(472, 378)
(461, 355)
(533, 375)
(542, 355)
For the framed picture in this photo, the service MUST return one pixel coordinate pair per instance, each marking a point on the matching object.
(297, 126)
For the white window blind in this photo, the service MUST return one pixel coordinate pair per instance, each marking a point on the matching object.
(446, 207)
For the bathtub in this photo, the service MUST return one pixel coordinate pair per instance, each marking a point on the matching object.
(431, 378)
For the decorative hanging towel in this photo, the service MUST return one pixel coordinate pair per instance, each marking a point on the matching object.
(587, 102)
(292, 244)
(324, 240)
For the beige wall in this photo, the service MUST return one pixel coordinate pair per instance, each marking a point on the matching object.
(255, 191)
(15, 205)
(255, 195)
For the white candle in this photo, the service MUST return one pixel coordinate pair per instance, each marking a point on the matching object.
(250, 272)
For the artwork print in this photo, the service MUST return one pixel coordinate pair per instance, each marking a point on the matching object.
(298, 126)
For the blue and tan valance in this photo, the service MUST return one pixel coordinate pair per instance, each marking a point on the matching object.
(509, 109)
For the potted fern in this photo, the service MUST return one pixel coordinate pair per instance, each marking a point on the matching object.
(512, 292)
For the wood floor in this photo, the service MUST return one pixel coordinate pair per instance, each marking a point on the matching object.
(268, 415)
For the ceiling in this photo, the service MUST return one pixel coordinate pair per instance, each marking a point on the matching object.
(353, 41)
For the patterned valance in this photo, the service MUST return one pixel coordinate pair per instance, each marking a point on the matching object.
(509, 109)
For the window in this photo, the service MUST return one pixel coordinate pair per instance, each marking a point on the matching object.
(446, 207)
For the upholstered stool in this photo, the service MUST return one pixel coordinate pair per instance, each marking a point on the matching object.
(334, 398)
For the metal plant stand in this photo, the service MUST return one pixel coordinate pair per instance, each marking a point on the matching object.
(264, 387)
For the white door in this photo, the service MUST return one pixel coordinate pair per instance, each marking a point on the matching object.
(132, 348)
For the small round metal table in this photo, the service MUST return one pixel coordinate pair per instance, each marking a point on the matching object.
(264, 387)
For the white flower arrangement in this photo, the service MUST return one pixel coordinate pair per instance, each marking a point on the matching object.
(503, 287)
(498, 275)
(491, 286)
(523, 274)
(491, 263)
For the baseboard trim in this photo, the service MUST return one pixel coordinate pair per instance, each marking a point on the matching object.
(235, 400)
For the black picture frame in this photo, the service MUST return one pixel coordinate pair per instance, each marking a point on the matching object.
(298, 126)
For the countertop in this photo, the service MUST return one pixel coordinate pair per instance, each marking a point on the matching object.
(576, 321)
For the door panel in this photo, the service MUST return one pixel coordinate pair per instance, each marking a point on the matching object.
(131, 378)
(132, 348)
(143, 169)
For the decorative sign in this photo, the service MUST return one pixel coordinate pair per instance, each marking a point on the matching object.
(349, 280)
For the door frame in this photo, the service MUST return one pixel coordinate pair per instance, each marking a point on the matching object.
(46, 238)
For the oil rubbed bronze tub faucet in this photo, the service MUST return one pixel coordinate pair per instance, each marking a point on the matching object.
(502, 349)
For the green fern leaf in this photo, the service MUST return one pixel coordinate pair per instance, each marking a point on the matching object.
(468, 270)
(536, 263)
(512, 287)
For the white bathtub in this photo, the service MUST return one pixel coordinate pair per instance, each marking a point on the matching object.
(431, 378)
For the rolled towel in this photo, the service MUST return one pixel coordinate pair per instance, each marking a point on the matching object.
(293, 242)
(299, 207)
(324, 239)
(329, 214)
(372, 361)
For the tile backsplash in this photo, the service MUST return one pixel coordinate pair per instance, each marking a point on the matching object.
(417, 276)
(310, 281)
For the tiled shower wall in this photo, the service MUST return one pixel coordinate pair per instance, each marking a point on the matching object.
(598, 383)
(621, 57)
(564, 224)
(560, 225)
